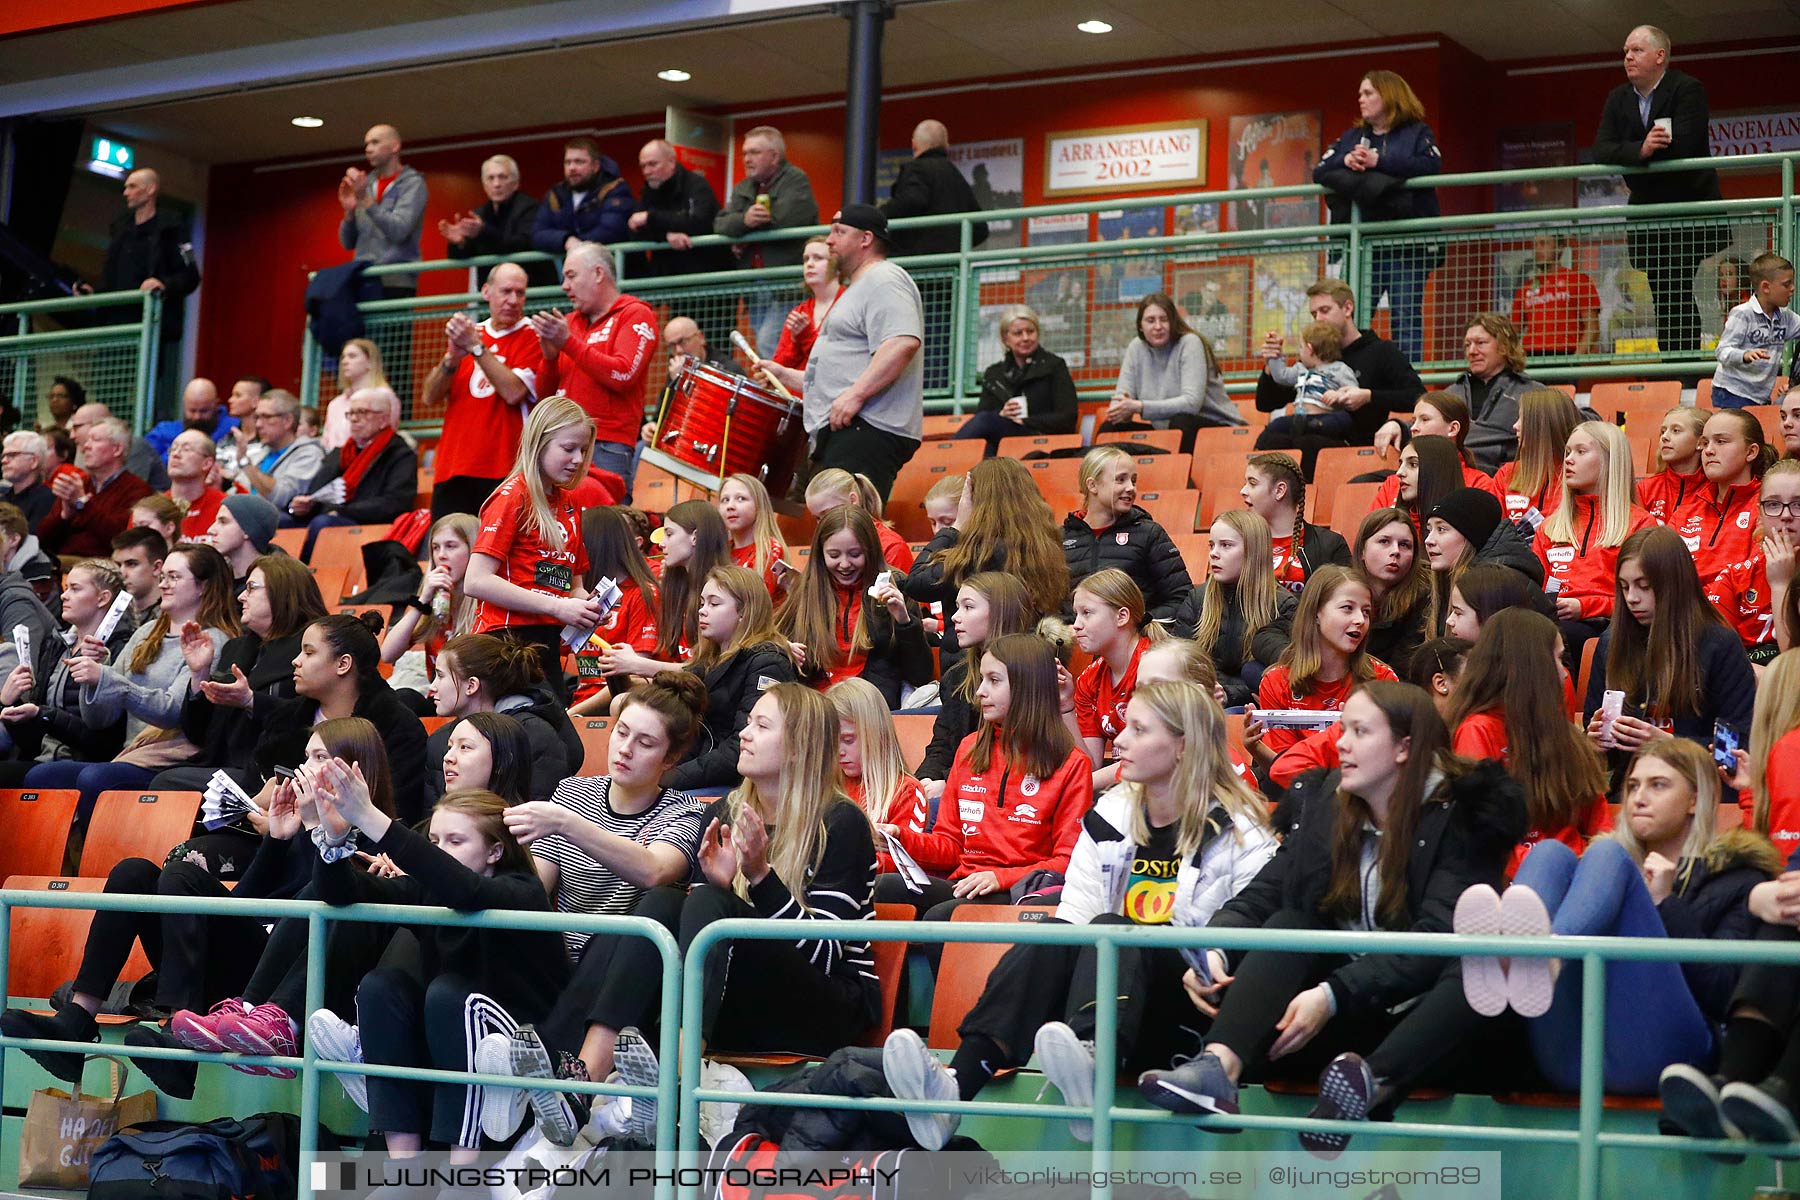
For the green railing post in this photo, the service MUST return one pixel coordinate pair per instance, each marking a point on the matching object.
(692, 1000)
(1787, 238)
(667, 1083)
(316, 931)
(149, 347)
(22, 378)
(1106, 1059)
(961, 344)
(309, 370)
(1353, 272)
(1593, 1073)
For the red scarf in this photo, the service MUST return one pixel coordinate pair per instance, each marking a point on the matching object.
(357, 462)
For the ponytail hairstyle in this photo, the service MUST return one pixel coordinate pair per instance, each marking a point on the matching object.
(763, 533)
(679, 700)
(1547, 416)
(548, 418)
(679, 602)
(488, 811)
(1204, 775)
(756, 617)
(810, 785)
(1011, 528)
(218, 610)
(1694, 763)
(1661, 664)
(859, 703)
(107, 578)
(1618, 490)
(1256, 592)
(463, 526)
(1305, 655)
(1279, 468)
(1033, 736)
(1440, 473)
(1434, 657)
(1411, 716)
(354, 636)
(1777, 713)
(1455, 411)
(1095, 463)
(611, 541)
(1751, 430)
(509, 749)
(857, 489)
(1115, 589)
(1410, 589)
(504, 667)
(1513, 668)
(810, 615)
(1009, 611)
(358, 742)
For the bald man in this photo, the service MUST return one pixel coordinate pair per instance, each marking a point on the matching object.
(150, 251)
(676, 206)
(384, 209)
(201, 409)
(929, 186)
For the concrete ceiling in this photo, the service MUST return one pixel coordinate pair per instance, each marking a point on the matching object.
(219, 82)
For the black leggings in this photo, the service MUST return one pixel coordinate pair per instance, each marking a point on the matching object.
(1036, 984)
(198, 959)
(352, 948)
(618, 980)
(405, 1023)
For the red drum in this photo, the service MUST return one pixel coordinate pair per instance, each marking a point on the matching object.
(720, 424)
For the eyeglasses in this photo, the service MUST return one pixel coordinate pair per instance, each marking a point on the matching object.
(1776, 508)
(367, 412)
(254, 587)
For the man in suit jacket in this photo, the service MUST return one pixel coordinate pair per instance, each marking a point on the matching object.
(1659, 114)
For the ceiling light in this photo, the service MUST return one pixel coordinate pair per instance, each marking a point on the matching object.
(1094, 27)
(307, 122)
(674, 75)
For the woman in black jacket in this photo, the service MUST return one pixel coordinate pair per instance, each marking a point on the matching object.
(1239, 617)
(1028, 391)
(336, 674)
(738, 654)
(281, 598)
(1407, 830)
(1112, 531)
(1389, 144)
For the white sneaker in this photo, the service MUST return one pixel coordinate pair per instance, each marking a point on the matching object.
(635, 1061)
(914, 1073)
(1483, 976)
(501, 1108)
(1068, 1063)
(337, 1040)
(1530, 982)
(719, 1117)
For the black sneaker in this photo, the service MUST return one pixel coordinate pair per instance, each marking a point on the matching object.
(171, 1077)
(1345, 1089)
(1763, 1112)
(72, 1023)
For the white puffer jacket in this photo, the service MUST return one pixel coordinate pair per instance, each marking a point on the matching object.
(1229, 857)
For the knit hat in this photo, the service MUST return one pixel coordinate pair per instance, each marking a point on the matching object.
(256, 517)
(1471, 512)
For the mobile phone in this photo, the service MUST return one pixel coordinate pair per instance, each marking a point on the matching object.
(285, 773)
(1726, 740)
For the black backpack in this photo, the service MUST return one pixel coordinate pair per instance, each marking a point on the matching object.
(256, 1158)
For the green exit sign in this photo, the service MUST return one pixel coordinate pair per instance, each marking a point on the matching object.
(109, 156)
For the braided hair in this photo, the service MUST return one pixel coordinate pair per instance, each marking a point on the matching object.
(1287, 471)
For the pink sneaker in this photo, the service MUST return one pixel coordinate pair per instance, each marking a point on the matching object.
(203, 1033)
(265, 1029)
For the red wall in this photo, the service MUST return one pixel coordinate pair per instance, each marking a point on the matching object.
(265, 229)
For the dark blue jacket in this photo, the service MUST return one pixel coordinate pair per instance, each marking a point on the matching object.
(1405, 153)
(604, 215)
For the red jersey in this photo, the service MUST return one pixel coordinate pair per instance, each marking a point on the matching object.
(481, 431)
(630, 623)
(1552, 309)
(1586, 570)
(795, 348)
(1388, 494)
(1588, 826)
(1783, 774)
(745, 556)
(1289, 572)
(1100, 700)
(1518, 503)
(507, 535)
(894, 549)
(1481, 735)
(1719, 529)
(908, 809)
(1004, 819)
(1663, 493)
(201, 514)
(603, 365)
(1275, 692)
(1741, 594)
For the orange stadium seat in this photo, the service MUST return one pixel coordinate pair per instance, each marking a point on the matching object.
(595, 734)
(1056, 475)
(1162, 439)
(1037, 443)
(940, 424)
(1163, 472)
(1337, 466)
(1351, 506)
(45, 945)
(341, 546)
(36, 827)
(1173, 510)
(136, 824)
(964, 969)
(914, 732)
(1769, 417)
(1221, 484)
(1219, 442)
(1195, 549)
(1612, 400)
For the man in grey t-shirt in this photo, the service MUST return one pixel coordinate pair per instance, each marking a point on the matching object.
(864, 386)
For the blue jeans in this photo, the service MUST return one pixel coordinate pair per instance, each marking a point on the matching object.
(90, 778)
(1401, 273)
(1652, 1019)
(619, 458)
(1724, 399)
(765, 311)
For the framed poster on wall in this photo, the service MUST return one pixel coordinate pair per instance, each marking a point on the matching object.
(1125, 158)
(1216, 298)
(1526, 146)
(1060, 296)
(1279, 297)
(1273, 150)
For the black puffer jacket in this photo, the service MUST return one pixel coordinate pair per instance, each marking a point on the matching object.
(1136, 545)
(734, 685)
(1229, 654)
(1713, 901)
(1051, 405)
(1465, 834)
(227, 736)
(1510, 546)
(1321, 545)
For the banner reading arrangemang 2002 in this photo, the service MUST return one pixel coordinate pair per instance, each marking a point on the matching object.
(1125, 158)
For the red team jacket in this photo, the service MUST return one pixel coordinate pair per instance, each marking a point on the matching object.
(1741, 594)
(1004, 819)
(1586, 569)
(1718, 529)
(603, 365)
(1663, 493)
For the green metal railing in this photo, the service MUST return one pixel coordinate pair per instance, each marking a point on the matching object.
(682, 1000)
(115, 357)
(1086, 292)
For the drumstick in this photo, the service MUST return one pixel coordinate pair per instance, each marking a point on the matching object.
(743, 343)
